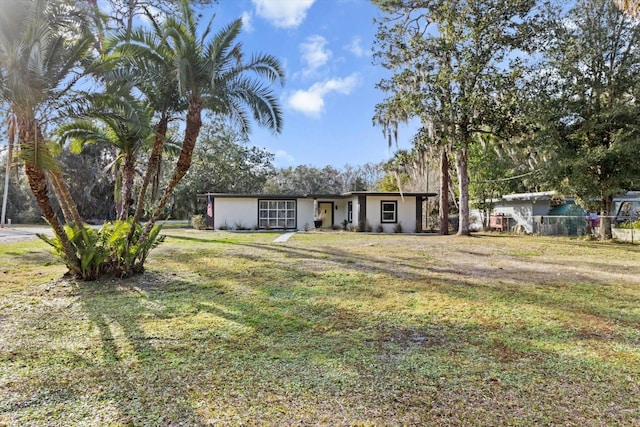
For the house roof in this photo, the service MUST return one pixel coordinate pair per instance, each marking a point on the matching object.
(317, 196)
(543, 195)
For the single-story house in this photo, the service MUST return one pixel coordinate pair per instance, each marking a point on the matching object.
(518, 210)
(366, 210)
(521, 208)
(549, 213)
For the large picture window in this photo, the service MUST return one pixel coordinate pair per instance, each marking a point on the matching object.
(389, 211)
(276, 214)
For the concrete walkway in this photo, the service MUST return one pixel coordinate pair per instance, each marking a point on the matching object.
(283, 237)
(17, 234)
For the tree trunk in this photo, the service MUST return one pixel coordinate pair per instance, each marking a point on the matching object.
(443, 212)
(65, 199)
(7, 176)
(29, 133)
(463, 187)
(154, 160)
(128, 176)
(66, 213)
(38, 184)
(117, 192)
(605, 217)
(191, 133)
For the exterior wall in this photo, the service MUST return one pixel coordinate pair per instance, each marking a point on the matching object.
(522, 212)
(406, 214)
(541, 207)
(305, 213)
(231, 212)
(339, 212)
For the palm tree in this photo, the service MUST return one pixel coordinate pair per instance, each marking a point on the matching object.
(145, 61)
(36, 64)
(213, 74)
(121, 122)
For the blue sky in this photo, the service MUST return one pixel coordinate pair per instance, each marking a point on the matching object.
(330, 94)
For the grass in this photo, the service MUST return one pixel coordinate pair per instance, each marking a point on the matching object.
(328, 328)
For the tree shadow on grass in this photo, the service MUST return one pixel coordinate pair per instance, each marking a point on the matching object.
(421, 363)
(137, 371)
(546, 285)
(422, 352)
(213, 239)
(35, 258)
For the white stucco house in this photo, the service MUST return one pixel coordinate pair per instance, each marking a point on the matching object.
(362, 209)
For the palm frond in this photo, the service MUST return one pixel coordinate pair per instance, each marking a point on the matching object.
(40, 154)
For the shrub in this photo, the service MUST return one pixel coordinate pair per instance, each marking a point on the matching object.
(107, 250)
(631, 225)
(397, 228)
(127, 256)
(198, 222)
(90, 248)
(240, 226)
(379, 229)
(367, 226)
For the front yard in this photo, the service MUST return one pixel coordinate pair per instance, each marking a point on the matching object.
(328, 328)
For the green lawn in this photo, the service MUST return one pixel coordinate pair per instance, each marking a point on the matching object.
(328, 328)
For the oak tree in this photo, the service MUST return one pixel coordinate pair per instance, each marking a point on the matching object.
(455, 64)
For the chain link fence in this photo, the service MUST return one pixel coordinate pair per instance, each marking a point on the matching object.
(622, 228)
(562, 225)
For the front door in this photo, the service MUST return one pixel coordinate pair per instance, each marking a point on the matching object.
(325, 211)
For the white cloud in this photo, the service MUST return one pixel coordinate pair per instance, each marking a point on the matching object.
(283, 13)
(311, 102)
(246, 22)
(285, 157)
(355, 47)
(314, 53)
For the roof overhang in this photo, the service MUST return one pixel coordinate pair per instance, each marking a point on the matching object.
(424, 196)
(543, 195)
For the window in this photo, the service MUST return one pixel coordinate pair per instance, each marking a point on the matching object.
(350, 212)
(389, 211)
(276, 214)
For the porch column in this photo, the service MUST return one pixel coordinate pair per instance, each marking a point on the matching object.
(418, 214)
(362, 212)
(315, 208)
